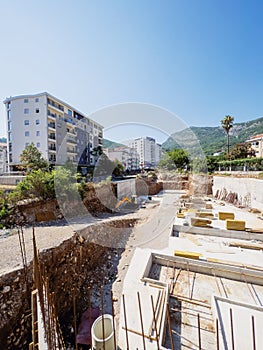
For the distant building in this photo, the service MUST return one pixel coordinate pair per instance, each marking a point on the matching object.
(58, 130)
(128, 157)
(257, 144)
(149, 151)
(3, 158)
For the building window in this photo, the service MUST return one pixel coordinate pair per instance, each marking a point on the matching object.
(26, 111)
(38, 133)
(10, 137)
(38, 144)
(27, 133)
(37, 99)
(9, 126)
(26, 122)
(37, 110)
(26, 100)
(9, 115)
(37, 122)
(70, 112)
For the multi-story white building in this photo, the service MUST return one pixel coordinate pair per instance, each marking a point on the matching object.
(257, 145)
(149, 151)
(128, 157)
(58, 130)
(3, 157)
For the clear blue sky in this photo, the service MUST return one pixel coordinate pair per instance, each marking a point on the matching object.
(199, 59)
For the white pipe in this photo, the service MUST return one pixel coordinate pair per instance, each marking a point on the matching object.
(97, 333)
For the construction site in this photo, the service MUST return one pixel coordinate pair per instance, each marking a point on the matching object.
(184, 270)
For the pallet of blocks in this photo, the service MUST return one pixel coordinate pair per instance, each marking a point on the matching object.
(224, 215)
(200, 222)
(205, 214)
(238, 225)
(180, 215)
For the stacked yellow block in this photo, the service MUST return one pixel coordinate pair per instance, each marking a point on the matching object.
(184, 254)
(205, 214)
(199, 222)
(224, 215)
(180, 215)
(208, 206)
(238, 225)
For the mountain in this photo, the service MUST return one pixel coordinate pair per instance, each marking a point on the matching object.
(110, 144)
(212, 139)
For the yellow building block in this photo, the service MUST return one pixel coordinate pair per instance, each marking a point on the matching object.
(208, 206)
(180, 215)
(200, 222)
(238, 225)
(204, 214)
(224, 215)
(190, 255)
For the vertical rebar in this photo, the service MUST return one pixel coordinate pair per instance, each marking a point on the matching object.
(217, 335)
(199, 332)
(125, 321)
(102, 315)
(170, 326)
(90, 321)
(232, 330)
(75, 319)
(113, 321)
(155, 323)
(140, 311)
(253, 333)
(188, 280)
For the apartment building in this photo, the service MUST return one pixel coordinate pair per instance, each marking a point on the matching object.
(128, 157)
(149, 151)
(3, 157)
(58, 130)
(257, 144)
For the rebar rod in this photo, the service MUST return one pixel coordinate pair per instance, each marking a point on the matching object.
(232, 330)
(125, 321)
(170, 326)
(155, 323)
(113, 320)
(142, 328)
(102, 315)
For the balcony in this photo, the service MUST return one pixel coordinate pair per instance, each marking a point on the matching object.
(72, 151)
(52, 137)
(71, 140)
(52, 148)
(52, 125)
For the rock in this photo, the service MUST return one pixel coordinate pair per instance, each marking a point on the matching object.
(6, 289)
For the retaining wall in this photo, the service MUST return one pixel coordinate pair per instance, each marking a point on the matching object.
(248, 192)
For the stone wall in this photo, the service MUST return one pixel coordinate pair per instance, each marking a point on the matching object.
(71, 268)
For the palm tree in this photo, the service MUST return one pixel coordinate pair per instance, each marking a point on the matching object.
(227, 124)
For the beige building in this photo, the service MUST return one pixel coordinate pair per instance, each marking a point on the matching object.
(257, 144)
(58, 130)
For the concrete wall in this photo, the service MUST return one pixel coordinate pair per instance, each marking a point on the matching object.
(243, 187)
(10, 180)
(126, 188)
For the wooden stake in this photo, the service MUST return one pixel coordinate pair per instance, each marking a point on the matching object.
(102, 315)
(253, 333)
(232, 330)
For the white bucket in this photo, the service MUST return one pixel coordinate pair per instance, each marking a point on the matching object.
(97, 333)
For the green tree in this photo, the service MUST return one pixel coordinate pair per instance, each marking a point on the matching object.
(32, 159)
(37, 184)
(118, 168)
(227, 124)
(175, 159)
(241, 150)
